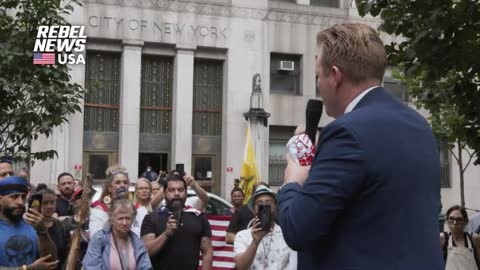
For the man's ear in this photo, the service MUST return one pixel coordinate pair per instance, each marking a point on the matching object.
(337, 75)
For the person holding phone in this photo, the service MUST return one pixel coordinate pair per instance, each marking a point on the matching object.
(262, 245)
(175, 235)
(24, 242)
(55, 227)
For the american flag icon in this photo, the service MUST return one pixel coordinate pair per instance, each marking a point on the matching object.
(44, 58)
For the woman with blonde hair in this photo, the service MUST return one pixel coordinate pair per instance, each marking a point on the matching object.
(115, 188)
(143, 194)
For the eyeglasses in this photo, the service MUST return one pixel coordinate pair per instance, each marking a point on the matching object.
(454, 220)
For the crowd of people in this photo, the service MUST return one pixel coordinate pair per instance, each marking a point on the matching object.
(369, 199)
(147, 234)
(118, 233)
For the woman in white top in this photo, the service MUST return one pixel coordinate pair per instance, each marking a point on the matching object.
(115, 188)
(461, 249)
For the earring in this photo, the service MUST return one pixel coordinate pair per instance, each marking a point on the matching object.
(107, 199)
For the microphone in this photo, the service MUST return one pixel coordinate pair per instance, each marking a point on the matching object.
(302, 147)
(313, 113)
(122, 193)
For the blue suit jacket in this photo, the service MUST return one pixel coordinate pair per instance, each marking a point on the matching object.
(372, 196)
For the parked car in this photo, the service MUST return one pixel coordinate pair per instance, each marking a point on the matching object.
(216, 204)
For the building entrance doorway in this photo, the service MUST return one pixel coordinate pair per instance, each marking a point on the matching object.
(158, 162)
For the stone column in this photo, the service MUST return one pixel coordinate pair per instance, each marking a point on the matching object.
(182, 107)
(75, 131)
(130, 86)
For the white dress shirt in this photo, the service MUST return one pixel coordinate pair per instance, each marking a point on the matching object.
(356, 100)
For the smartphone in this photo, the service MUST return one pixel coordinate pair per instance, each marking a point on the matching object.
(180, 168)
(265, 216)
(35, 202)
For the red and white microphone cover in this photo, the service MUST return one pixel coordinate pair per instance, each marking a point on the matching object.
(301, 149)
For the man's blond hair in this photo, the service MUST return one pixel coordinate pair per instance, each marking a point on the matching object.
(356, 49)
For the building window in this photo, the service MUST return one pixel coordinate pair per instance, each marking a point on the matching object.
(285, 74)
(207, 97)
(325, 3)
(445, 179)
(279, 136)
(156, 94)
(102, 80)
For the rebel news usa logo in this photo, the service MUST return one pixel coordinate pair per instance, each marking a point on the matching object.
(63, 44)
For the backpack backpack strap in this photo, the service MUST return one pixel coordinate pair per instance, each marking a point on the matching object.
(470, 238)
(445, 245)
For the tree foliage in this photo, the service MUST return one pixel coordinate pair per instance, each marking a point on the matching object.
(438, 54)
(33, 98)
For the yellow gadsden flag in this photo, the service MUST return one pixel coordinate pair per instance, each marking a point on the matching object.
(249, 173)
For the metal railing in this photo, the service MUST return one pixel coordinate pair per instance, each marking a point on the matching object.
(276, 169)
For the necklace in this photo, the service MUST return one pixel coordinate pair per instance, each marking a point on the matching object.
(266, 250)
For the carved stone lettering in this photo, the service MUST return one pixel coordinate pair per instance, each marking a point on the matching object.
(115, 24)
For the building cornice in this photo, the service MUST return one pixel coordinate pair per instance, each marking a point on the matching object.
(324, 16)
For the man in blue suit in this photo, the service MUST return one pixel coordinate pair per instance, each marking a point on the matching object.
(370, 199)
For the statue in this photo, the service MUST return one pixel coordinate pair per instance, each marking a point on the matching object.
(257, 83)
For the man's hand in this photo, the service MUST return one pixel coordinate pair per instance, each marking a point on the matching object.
(171, 226)
(294, 172)
(42, 264)
(189, 180)
(257, 233)
(36, 219)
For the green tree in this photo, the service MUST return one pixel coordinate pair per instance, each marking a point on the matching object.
(438, 55)
(34, 99)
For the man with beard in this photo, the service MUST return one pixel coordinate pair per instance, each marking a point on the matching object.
(174, 235)
(22, 242)
(262, 245)
(65, 185)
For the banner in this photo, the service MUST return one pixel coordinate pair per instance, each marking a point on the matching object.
(222, 252)
(249, 172)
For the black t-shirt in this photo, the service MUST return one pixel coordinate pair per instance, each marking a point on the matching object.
(240, 219)
(60, 238)
(63, 207)
(181, 250)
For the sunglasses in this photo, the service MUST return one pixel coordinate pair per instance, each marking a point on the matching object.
(119, 172)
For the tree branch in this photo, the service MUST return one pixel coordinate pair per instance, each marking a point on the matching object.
(454, 155)
(469, 160)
